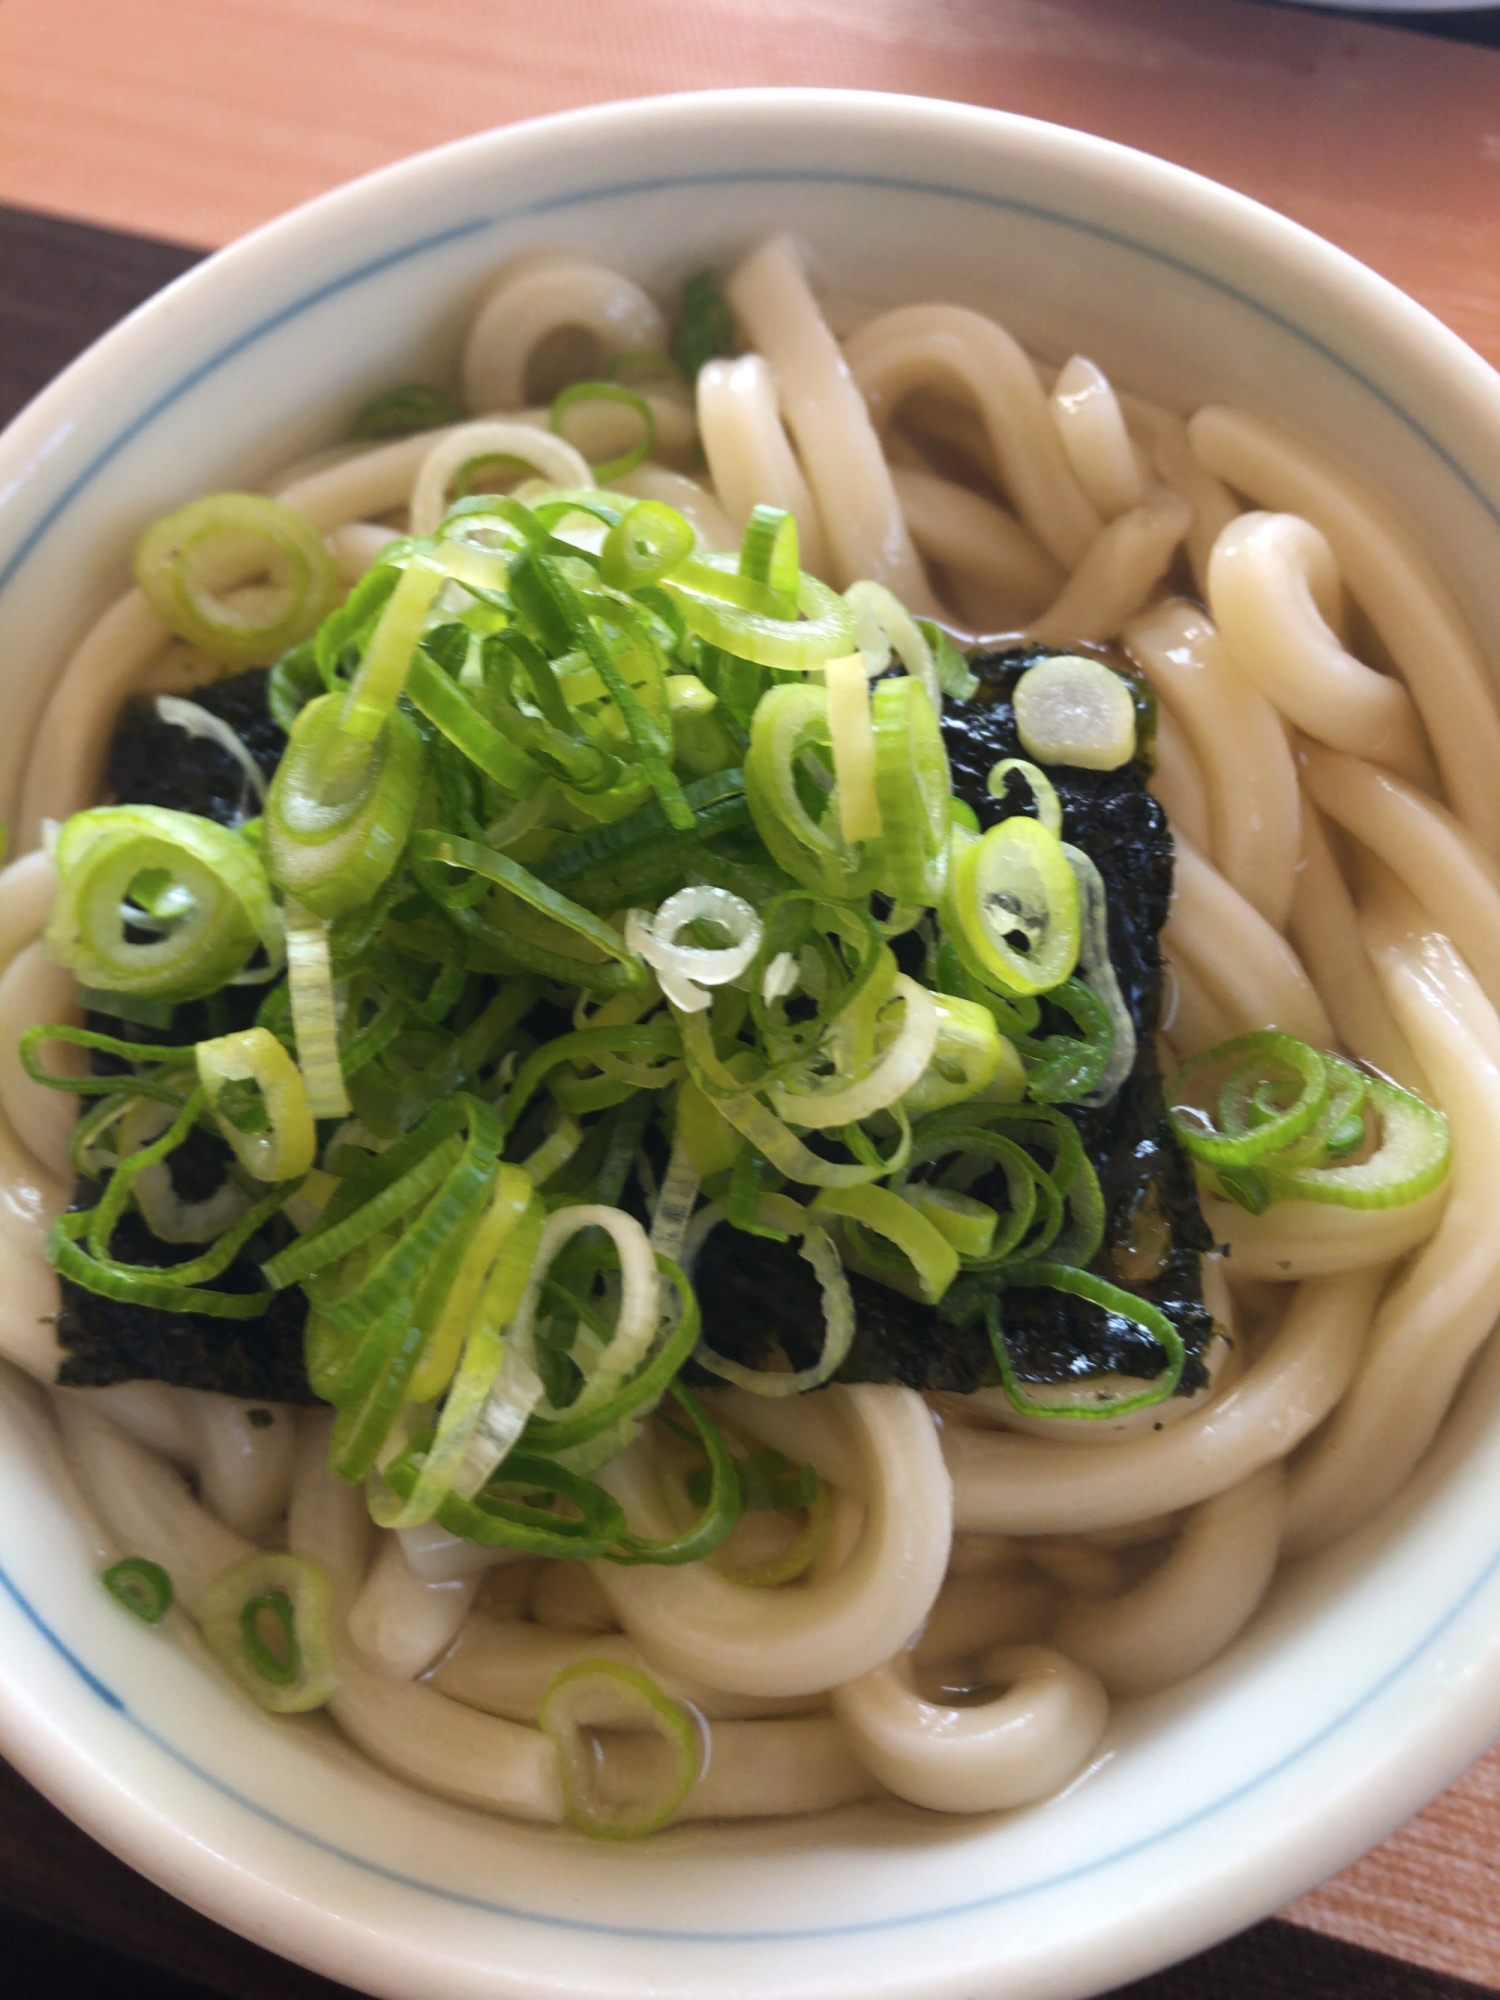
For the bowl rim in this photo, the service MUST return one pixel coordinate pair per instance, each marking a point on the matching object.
(59, 1766)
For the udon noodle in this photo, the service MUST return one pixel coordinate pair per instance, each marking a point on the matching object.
(1327, 754)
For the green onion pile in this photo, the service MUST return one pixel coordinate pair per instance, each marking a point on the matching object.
(567, 931)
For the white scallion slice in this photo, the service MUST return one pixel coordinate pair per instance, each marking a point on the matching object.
(1096, 968)
(1072, 710)
(314, 1015)
(199, 721)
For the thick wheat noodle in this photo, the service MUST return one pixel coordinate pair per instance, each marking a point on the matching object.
(445, 1747)
(1178, 781)
(1004, 1752)
(1324, 929)
(964, 355)
(1422, 844)
(1248, 774)
(27, 888)
(978, 541)
(328, 1521)
(974, 1614)
(34, 987)
(1193, 1018)
(567, 1598)
(504, 1666)
(1316, 1239)
(244, 1467)
(696, 1622)
(1444, 1305)
(376, 482)
(934, 432)
(401, 1622)
(544, 293)
(1247, 965)
(750, 457)
(1165, 438)
(146, 1504)
(64, 768)
(1277, 600)
(1008, 1485)
(1120, 572)
(153, 1413)
(1091, 425)
(29, 1295)
(357, 547)
(760, 1769)
(826, 415)
(1189, 1609)
(1396, 585)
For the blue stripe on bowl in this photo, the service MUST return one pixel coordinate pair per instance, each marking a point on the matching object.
(810, 1932)
(407, 254)
(792, 176)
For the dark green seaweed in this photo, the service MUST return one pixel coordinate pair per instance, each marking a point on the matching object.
(754, 1292)
(154, 763)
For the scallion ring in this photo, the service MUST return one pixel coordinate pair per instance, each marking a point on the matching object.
(241, 576)
(291, 1670)
(628, 1753)
(608, 392)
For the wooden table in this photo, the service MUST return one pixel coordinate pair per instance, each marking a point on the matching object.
(190, 121)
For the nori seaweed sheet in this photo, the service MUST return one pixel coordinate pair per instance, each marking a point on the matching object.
(154, 763)
(108, 1340)
(755, 1293)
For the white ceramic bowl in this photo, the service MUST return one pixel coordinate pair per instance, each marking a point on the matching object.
(1372, 1676)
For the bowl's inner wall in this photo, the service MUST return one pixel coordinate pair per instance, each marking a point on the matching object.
(1208, 1806)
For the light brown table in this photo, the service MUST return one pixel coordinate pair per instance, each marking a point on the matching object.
(194, 120)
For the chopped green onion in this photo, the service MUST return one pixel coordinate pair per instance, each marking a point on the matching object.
(1043, 792)
(378, 684)
(272, 1135)
(769, 551)
(143, 1587)
(644, 545)
(1296, 1072)
(852, 734)
(194, 894)
(1084, 1402)
(629, 1754)
(239, 575)
(923, 1246)
(817, 1248)
(1072, 710)
(706, 330)
(790, 723)
(711, 608)
(292, 1670)
(413, 406)
(314, 1014)
(1016, 903)
(969, 1225)
(608, 392)
(914, 788)
(336, 823)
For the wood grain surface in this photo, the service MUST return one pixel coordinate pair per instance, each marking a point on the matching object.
(194, 120)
